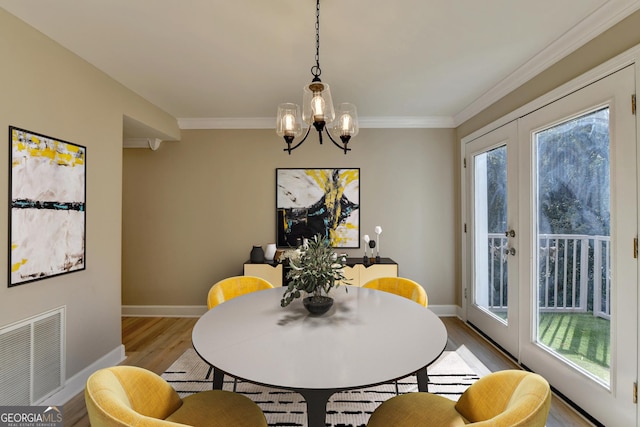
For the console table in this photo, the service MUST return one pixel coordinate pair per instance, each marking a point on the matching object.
(356, 270)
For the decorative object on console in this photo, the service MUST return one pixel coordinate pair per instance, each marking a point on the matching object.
(372, 244)
(318, 201)
(270, 252)
(378, 231)
(365, 258)
(314, 270)
(257, 255)
(47, 191)
(317, 110)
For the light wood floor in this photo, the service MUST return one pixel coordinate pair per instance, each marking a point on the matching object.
(155, 343)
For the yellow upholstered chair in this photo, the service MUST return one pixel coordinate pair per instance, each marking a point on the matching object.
(508, 398)
(400, 286)
(131, 396)
(232, 287)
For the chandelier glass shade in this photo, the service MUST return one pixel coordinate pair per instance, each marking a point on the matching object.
(346, 123)
(317, 111)
(317, 105)
(289, 122)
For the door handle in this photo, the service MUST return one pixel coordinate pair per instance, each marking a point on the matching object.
(510, 233)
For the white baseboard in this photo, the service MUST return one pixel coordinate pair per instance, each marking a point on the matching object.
(199, 310)
(444, 310)
(163, 310)
(76, 384)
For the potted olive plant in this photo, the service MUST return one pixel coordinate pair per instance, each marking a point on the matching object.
(314, 270)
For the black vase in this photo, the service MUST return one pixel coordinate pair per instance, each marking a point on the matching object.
(257, 255)
(317, 304)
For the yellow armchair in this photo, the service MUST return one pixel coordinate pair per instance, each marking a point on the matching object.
(232, 287)
(400, 286)
(130, 396)
(403, 287)
(508, 398)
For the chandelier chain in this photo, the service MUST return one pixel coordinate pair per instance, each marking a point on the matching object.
(315, 70)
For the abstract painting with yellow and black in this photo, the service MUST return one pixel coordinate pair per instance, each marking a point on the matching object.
(47, 222)
(318, 201)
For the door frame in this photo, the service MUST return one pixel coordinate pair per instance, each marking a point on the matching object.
(629, 57)
(504, 334)
(613, 91)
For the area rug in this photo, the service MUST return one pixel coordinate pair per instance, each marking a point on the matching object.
(449, 376)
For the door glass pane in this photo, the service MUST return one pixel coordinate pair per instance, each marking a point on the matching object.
(490, 223)
(573, 232)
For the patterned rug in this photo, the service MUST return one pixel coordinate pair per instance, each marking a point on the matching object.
(449, 376)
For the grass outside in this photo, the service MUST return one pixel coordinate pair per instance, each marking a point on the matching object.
(581, 338)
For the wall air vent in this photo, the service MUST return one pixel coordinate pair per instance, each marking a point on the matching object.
(32, 358)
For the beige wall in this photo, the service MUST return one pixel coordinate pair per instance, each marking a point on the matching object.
(193, 209)
(48, 90)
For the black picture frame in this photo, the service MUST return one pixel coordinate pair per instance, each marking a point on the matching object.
(313, 201)
(47, 206)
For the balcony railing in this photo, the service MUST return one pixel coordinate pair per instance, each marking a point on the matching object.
(573, 273)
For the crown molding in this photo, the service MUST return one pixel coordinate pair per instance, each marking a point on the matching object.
(269, 122)
(593, 25)
(408, 122)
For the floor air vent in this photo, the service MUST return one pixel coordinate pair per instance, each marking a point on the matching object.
(32, 358)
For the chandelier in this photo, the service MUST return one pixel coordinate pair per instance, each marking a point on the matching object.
(317, 110)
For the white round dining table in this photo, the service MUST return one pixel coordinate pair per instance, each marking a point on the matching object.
(368, 337)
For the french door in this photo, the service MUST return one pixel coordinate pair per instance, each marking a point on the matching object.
(491, 174)
(569, 309)
(579, 173)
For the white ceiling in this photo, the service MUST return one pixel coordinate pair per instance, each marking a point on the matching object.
(402, 62)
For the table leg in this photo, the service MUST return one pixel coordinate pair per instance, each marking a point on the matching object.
(423, 380)
(316, 406)
(218, 379)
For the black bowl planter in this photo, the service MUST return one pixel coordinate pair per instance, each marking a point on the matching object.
(317, 305)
